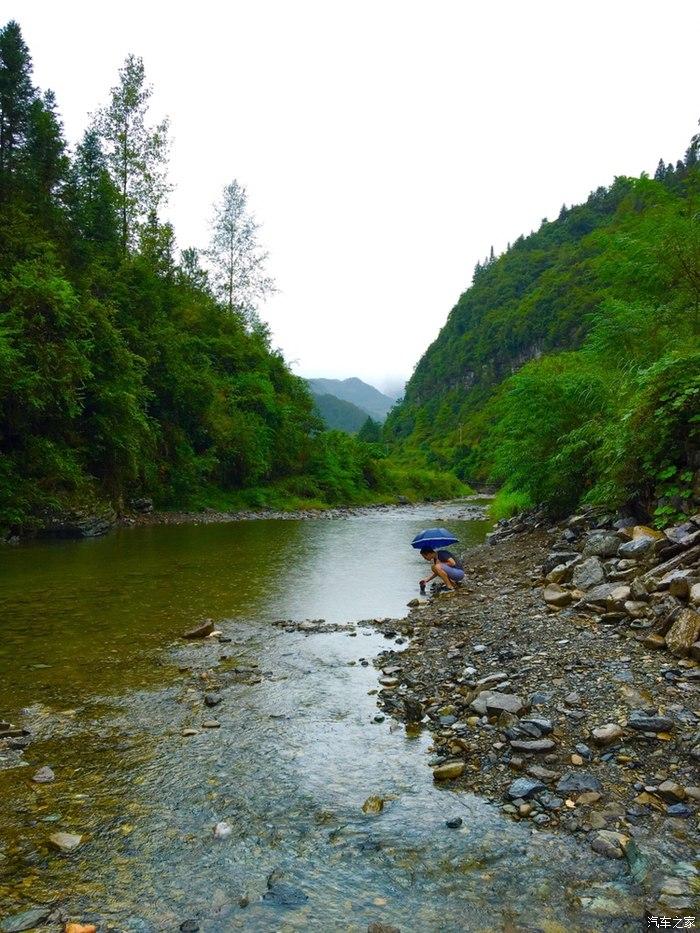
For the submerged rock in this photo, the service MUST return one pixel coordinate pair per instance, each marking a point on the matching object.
(200, 631)
(44, 775)
(65, 842)
(26, 920)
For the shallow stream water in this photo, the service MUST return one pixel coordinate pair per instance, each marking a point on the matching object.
(91, 661)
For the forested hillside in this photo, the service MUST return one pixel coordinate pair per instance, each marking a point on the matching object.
(359, 393)
(570, 370)
(127, 367)
(338, 414)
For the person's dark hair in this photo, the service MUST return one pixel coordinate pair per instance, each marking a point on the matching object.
(427, 550)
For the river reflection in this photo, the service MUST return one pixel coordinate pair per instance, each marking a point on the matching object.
(296, 753)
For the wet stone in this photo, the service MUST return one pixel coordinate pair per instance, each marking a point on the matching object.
(454, 823)
(43, 776)
(284, 894)
(26, 920)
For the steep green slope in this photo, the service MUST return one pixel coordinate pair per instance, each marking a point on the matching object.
(337, 414)
(627, 262)
(359, 393)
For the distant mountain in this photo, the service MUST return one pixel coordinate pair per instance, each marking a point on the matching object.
(339, 414)
(359, 393)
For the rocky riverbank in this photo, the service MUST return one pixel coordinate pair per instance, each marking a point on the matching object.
(562, 683)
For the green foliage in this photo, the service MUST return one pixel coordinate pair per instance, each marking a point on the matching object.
(121, 374)
(338, 414)
(569, 370)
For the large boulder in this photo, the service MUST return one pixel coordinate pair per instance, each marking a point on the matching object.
(588, 574)
(683, 633)
(637, 547)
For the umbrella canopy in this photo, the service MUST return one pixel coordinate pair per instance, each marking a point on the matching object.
(433, 538)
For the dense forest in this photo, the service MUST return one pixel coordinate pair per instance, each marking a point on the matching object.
(129, 368)
(569, 371)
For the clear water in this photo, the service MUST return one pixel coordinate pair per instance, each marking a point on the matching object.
(91, 661)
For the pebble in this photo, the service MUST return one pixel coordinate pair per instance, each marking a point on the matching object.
(454, 823)
(222, 830)
(211, 724)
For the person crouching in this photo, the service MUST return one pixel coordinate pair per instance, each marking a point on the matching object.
(445, 566)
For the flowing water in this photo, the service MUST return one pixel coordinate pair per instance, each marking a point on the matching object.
(92, 662)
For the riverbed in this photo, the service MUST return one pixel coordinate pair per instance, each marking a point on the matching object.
(92, 663)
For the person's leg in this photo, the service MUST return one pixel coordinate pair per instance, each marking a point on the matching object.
(441, 571)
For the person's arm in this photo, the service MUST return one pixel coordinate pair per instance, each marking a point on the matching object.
(428, 579)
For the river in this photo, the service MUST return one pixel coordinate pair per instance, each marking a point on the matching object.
(92, 662)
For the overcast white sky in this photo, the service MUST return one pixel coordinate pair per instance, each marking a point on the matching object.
(385, 144)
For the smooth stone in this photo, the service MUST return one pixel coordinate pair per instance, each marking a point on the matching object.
(223, 829)
(606, 735)
(557, 596)
(454, 823)
(533, 745)
(671, 791)
(65, 842)
(211, 724)
(212, 699)
(448, 771)
(44, 775)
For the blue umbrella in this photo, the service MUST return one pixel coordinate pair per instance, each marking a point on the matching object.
(433, 538)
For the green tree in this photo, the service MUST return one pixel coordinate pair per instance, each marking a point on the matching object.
(136, 151)
(16, 97)
(236, 256)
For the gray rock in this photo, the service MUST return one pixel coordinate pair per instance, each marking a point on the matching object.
(26, 920)
(643, 723)
(44, 775)
(212, 699)
(533, 745)
(588, 574)
(601, 545)
(499, 702)
(638, 547)
(525, 788)
(575, 781)
(543, 726)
